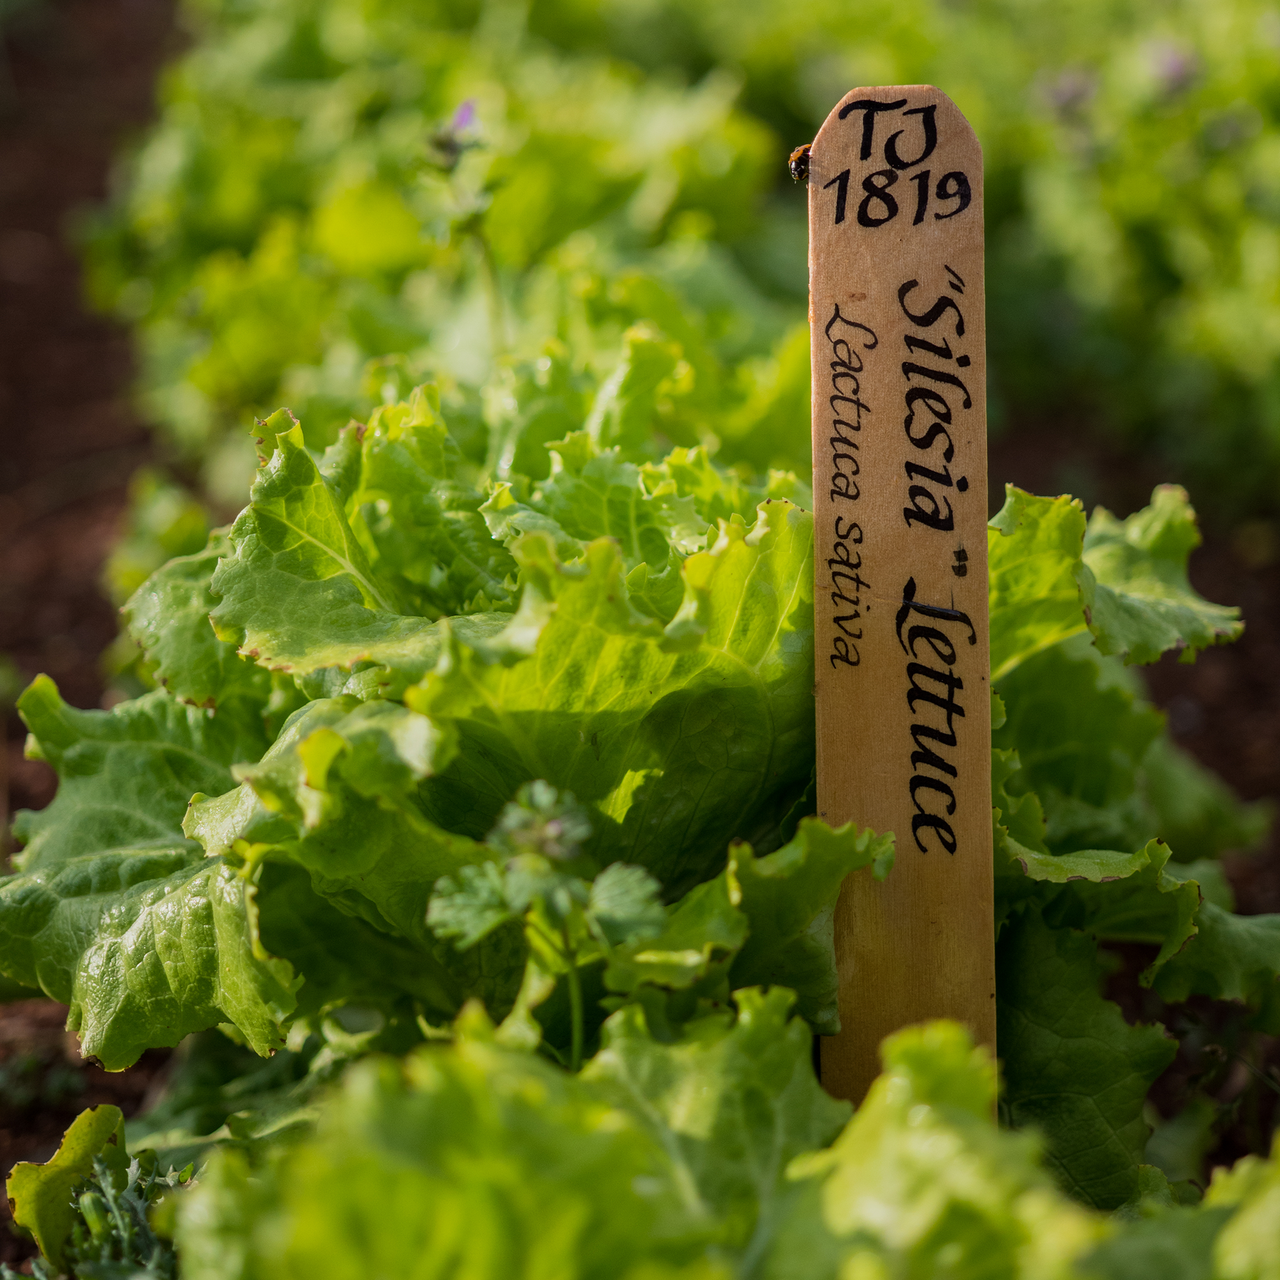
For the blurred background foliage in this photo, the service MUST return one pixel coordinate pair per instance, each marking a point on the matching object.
(343, 197)
(433, 189)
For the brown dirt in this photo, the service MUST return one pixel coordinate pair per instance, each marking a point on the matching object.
(76, 79)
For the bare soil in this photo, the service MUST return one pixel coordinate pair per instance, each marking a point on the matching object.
(77, 78)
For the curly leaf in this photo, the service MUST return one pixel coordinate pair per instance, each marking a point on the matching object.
(603, 497)
(720, 492)
(40, 1194)
(673, 740)
(423, 531)
(118, 916)
(921, 1182)
(145, 946)
(1033, 552)
(508, 520)
(1074, 1069)
(113, 912)
(789, 899)
(1231, 958)
(1129, 899)
(337, 795)
(470, 1160)
(1135, 588)
(300, 593)
(703, 932)
(125, 774)
(731, 1102)
(168, 617)
(1051, 575)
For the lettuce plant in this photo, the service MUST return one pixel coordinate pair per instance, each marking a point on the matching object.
(705, 1157)
(420, 738)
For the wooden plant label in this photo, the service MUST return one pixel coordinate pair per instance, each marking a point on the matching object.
(900, 561)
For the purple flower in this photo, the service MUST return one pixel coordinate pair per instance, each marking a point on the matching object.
(464, 117)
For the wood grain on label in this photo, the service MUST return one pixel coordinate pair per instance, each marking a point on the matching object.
(900, 561)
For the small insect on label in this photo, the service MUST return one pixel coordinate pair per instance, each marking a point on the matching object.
(900, 560)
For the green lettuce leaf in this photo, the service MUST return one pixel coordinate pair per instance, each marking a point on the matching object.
(145, 946)
(470, 1158)
(112, 912)
(301, 593)
(675, 739)
(1051, 576)
(1174, 1243)
(1033, 552)
(731, 1103)
(1195, 811)
(542, 401)
(1136, 593)
(218, 1092)
(1119, 897)
(168, 617)
(126, 774)
(703, 933)
(1137, 901)
(343, 959)
(1020, 856)
(40, 1194)
(597, 495)
(508, 520)
(717, 491)
(1081, 738)
(789, 899)
(623, 411)
(1247, 1248)
(337, 795)
(421, 528)
(1231, 958)
(1081, 759)
(1074, 1069)
(115, 914)
(351, 563)
(921, 1183)
(766, 921)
